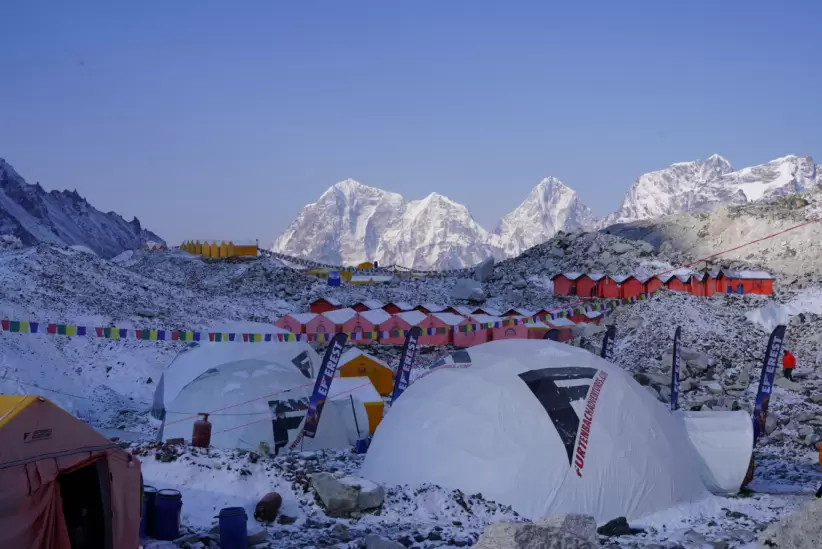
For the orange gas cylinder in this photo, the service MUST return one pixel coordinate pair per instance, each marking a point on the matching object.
(201, 435)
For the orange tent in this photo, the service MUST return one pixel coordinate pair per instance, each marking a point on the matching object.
(61, 480)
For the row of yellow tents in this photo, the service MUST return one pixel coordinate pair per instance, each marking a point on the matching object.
(220, 248)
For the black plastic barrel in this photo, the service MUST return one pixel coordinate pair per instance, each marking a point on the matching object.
(147, 520)
(168, 505)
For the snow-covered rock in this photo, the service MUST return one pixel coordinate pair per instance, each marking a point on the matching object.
(467, 290)
(343, 496)
(64, 218)
(531, 536)
(799, 530)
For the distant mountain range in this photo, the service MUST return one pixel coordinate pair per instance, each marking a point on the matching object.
(63, 217)
(351, 222)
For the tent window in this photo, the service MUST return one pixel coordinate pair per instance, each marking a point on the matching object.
(557, 400)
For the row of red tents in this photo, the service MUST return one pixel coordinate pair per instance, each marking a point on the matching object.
(701, 284)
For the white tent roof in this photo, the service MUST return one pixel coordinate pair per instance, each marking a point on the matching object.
(522, 312)
(544, 427)
(403, 306)
(433, 307)
(485, 319)
(375, 316)
(372, 304)
(411, 317)
(449, 318)
(340, 316)
(748, 275)
(303, 318)
(561, 322)
(197, 358)
(354, 352)
(489, 310)
(463, 310)
(330, 300)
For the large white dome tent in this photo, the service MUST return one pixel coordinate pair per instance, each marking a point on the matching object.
(544, 427)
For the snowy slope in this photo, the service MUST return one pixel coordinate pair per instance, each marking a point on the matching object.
(701, 185)
(549, 208)
(62, 217)
(352, 223)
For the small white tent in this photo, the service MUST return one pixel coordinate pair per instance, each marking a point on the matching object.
(723, 442)
(544, 427)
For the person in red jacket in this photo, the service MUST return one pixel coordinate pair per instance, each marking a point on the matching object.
(788, 364)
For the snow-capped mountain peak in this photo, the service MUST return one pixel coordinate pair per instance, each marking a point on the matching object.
(33, 215)
(352, 222)
(700, 185)
(550, 207)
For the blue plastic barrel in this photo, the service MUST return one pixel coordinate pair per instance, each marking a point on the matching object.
(167, 507)
(233, 528)
(147, 520)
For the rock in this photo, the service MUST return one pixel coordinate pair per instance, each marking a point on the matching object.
(621, 247)
(373, 541)
(663, 380)
(581, 526)
(786, 383)
(529, 536)
(665, 394)
(804, 417)
(484, 270)
(268, 507)
(700, 363)
(805, 430)
(811, 440)
(745, 536)
(799, 530)
(556, 252)
(467, 289)
(370, 494)
(594, 249)
(817, 399)
(652, 391)
(605, 257)
(720, 544)
(617, 527)
(770, 424)
(646, 248)
(519, 284)
(338, 498)
(642, 379)
(715, 388)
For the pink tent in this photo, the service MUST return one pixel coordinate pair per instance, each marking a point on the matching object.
(363, 328)
(52, 465)
(295, 322)
(320, 324)
(511, 331)
(339, 317)
(392, 331)
(477, 334)
(438, 328)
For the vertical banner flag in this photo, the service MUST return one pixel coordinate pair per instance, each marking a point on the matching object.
(321, 387)
(763, 396)
(409, 351)
(608, 344)
(675, 365)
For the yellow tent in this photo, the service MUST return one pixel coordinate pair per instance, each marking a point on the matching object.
(365, 265)
(355, 363)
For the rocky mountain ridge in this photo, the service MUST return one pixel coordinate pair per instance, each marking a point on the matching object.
(65, 218)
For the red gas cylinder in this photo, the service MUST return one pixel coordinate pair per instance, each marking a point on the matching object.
(201, 435)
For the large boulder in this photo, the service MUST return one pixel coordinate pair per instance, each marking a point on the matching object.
(373, 541)
(582, 526)
(484, 270)
(343, 496)
(799, 530)
(786, 383)
(536, 536)
(467, 289)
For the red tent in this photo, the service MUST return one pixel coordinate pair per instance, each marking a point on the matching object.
(654, 283)
(629, 286)
(566, 283)
(587, 285)
(323, 305)
(750, 282)
(607, 287)
(397, 307)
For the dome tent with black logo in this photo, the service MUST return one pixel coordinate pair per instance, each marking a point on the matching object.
(541, 426)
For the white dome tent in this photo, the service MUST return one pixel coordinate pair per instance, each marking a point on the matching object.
(544, 427)
(244, 385)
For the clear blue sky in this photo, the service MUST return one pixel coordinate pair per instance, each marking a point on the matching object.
(217, 118)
